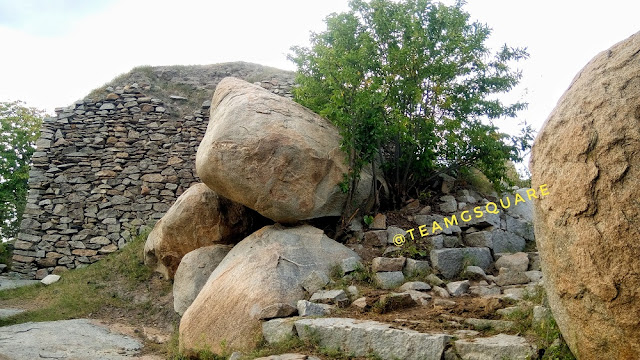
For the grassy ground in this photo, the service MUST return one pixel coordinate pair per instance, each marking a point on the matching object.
(119, 289)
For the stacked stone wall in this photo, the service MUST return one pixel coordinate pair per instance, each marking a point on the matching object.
(103, 171)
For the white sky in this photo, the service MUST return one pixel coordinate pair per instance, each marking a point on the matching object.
(56, 51)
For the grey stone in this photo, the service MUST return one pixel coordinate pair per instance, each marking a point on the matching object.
(487, 219)
(449, 204)
(315, 281)
(518, 261)
(521, 228)
(437, 241)
(419, 297)
(450, 262)
(108, 106)
(415, 267)
(7, 313)
(458, 288)
(279, 310)
(278, 330)
(307, 308)
(393, 231)
(511, 277)
(193, 272)
(362, 337)
(50, 279)
(485, 291)
(514, 293)
(387, 264)
(496, 347)
(523, 210)
(415, 285)
(479, 239)
(389, 280)
(350, 264)
(441, 292)
(333, 297)
(433, 279)
(533, 275)
(475, 273)
(66, 339)
(505, 242)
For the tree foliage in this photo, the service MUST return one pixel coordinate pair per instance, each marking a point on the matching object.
(20, 128)
(413, 84)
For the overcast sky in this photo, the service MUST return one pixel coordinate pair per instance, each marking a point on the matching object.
(56, 51)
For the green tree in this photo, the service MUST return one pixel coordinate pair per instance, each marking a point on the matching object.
(414, 83)
(20, 128)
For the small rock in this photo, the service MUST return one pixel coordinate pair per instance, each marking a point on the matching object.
(419, 297)
(475, 273)
(279, 310)
(315, 281)
(393, 231)
(353, 291)
(434, 280)
(514, 293)
(389, 280)
(379, 222)
(500, 346)
(507, 311)
(278, 330)
(360, 303)
(381, 264)
(416, 267)
(396, 301)
(458, 288)
(50, 279)
(307, 308)
(518, 261)
(511, 277)
(534, 276)
(485, 291)
(415, 285)
(438, 291)
(334, 297)
(443, 302)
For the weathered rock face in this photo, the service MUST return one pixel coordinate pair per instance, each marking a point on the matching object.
(198, 218)
(266, 268)
(193, 273)
(272, 155)
(587, 229)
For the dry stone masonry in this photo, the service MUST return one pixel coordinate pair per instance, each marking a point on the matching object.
(104, 169)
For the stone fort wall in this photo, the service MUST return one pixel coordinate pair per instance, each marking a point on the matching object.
(103, 170)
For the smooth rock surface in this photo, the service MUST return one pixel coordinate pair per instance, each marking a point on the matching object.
(264, 269)
(65, 339)
(199, 218)
(362, 337)
(258, 151)
(496, 347)
(193, 272)
(587, 227)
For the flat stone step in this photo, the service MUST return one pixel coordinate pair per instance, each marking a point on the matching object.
(7, 283)
(496, 347)
(65, 339)
(7, 313)
(364, 337)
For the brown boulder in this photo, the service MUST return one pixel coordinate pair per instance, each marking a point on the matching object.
(266, 268)
(198, 218)
(273, 155)
(588, 227)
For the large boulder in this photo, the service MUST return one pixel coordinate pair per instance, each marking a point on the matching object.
(588, 228)
(266, 268)
(193, 272)
(273, 155)
(198, 218)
